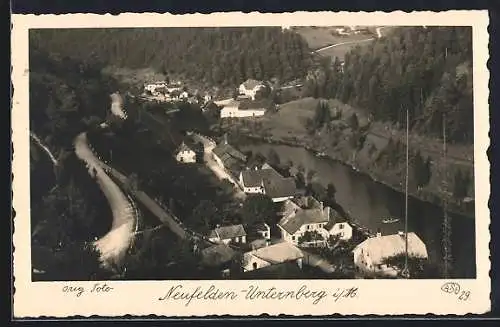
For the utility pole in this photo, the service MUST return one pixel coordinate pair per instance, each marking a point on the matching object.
(446, 220)
(406, 272)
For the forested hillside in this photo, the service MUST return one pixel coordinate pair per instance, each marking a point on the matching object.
(65, 97)
(425, 70)
(225, 56)
(67, 207)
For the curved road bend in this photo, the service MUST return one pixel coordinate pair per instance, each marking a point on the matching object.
(114, 245)
(117, 106)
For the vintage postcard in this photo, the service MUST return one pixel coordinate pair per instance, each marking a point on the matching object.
(246, 164)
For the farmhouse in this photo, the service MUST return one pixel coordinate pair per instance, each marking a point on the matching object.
(263, 230)
(268, 181)
(250, 88)
(185, 154)
(299, 221)
(271, 255)
(338, 227)
(229, 158)
(234, 109)
(369, 255)
(227, 234)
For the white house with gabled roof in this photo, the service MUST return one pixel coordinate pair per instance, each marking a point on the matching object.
(369, 256)
(250, 87)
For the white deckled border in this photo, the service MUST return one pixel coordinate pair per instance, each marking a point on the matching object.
(141, 298)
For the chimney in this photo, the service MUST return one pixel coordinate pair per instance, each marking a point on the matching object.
(326, 212)
(379, 233)
(321, 205)
(225, 138)
(401, 233)
(306, 201)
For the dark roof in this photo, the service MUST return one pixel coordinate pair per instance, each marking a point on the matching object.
(276, 253)
(255, 177)
(217, 255)
(227, 232)
(282, 187)
(184, 147)
(248, 104)
(224, 148)
(250, 84)
(293, 222)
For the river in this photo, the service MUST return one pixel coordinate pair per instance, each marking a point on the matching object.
(368, 202)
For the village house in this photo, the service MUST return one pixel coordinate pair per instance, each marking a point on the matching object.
(338, 227)
(152, 87)
(263, 230)
(269, 182)
(228, 158)
(227, 234)
(295, 224)
(185, 154)
(271, 255)
(220, 257)
(250, 88)
(234, 109)
(369, 255)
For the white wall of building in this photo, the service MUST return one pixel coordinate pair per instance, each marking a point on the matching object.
(186, 156)
(234, 112)
(343, 230)
(294, 239)
(254, 263)
(364, 264)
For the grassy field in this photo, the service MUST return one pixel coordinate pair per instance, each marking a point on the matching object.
(321, 36)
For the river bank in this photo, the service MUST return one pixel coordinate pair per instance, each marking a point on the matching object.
(453, 205)
(369, 203)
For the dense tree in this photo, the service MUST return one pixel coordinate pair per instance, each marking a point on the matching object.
(418, 267)
(425, 70)
(224, 56)
(273, 158)
(205, 216)
(330, 192)
(421, 170)
(258, 208)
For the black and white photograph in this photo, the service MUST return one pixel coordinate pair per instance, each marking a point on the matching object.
(219, 153)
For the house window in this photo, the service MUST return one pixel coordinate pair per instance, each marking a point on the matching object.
(308, 227)
(254, 265)
(293, 238)
(341, 226)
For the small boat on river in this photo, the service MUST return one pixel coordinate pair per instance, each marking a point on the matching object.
(390, 220)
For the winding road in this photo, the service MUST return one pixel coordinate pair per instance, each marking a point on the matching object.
(114, 245)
